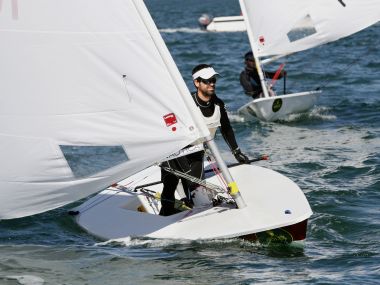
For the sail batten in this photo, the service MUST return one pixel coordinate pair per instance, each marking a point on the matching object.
(85, 102)
(283, 27)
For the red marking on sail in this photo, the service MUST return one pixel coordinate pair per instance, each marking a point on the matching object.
(262, 40)
(170, 119)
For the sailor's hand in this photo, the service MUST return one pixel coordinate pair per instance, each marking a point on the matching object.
(242, 158)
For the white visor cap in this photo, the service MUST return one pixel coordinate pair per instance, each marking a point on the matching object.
(205, 73)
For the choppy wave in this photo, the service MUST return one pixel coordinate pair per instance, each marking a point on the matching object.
(235, 117)
(157, 243)
(146, 242)
(26, 279)
(182, 30)
(318, 113)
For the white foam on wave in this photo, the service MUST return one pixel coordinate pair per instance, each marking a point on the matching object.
(146, 242)
(317, 113)
(235, 117)
(327, 149)
(181, 30)
(27, 279)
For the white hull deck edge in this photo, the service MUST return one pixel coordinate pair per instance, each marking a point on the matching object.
(279, 107)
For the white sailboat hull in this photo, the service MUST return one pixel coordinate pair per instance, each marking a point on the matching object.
(278, 107)
(273, 202)
(227, 24)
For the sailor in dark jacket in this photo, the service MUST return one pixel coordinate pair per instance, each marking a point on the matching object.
(215, 115)
(250, 79)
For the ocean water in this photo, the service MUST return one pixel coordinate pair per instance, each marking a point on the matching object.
(332, 153)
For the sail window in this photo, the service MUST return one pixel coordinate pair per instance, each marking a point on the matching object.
(302, 29)
(88, 160)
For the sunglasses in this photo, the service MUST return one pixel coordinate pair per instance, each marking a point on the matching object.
(208, 81)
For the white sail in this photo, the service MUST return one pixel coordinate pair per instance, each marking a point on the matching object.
(288, 26)
(89, 95)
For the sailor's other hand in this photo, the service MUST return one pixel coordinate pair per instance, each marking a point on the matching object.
(283, 73)
(242, 158)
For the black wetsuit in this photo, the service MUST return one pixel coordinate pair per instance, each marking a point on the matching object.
(192, 164)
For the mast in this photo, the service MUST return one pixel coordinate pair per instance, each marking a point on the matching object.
(254, 49)
(175, 74)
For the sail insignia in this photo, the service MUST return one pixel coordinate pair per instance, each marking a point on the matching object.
(302, 29)
(86, 161)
